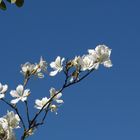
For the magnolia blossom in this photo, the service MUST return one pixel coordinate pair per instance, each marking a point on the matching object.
(102, 53)
(88, 62)
(6, 132)
(3, 89)
(39, 104)
(76, 61)
(27, 68)
(19, 94)
(43, 64)
(12, 119)
(56, 97)
(57, 65)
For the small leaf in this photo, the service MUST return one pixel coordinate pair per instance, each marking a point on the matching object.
(3, 6)
(19, 3)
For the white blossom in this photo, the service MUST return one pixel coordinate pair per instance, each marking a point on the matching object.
(39, 104)
(76, 61)
(19, 94)
(28, 68)
(102, 52)
(43, 64)
(57, 65)
(56, 97)
(12, 119)
(6, 132)
(88, 62)
(3, 89)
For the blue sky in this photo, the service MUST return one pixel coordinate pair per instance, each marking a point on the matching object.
(105, 106)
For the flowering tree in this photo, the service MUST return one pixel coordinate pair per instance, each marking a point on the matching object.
(18, 3)
(75, 70)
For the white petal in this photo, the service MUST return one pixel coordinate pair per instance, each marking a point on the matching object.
(40, 75)
(23, 99)
(26, 92)
(52, 92)
(91, 51)
(2, 96)
(108, 64)
(19, 88)
(5, 87)
(96, 65)
(38, 102)
(63, 59)
(52, 65)
(15, 101)
(59, 95)
(57, 61)
(53, 73)
(59, 101)
(14, 93)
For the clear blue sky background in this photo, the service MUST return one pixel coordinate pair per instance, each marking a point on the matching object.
(106, 106)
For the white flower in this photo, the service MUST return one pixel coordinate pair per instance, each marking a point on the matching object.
(57, 65)
(28, 68)
(43, 64)
(3, 89)
(3, 128)
(57, 97)
(12, 119)
(6, 132)
(11, 135)
(76, 61)
(87, 62)
(39, 104)
(19, 94)
(102, 52)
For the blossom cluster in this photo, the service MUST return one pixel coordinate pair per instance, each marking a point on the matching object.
(8, 123)
(73, 69)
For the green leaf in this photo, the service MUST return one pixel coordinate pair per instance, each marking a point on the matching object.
(3, 6)
(19, 3)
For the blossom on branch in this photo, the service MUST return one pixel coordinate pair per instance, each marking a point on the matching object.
(19, 94)
(29, 69)
(39, 104)
(88, 62)
(42, 64)
(7, 124)
(56, 97)
(12, 119)
(57, 65)
(102, 52)
(3, 89)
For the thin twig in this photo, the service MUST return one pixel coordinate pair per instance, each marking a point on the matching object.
(16, 110)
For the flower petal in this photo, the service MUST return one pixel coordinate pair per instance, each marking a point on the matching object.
(53, 73)
(2, 96)
(14, 101)
(14, 93)
(19, 88)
